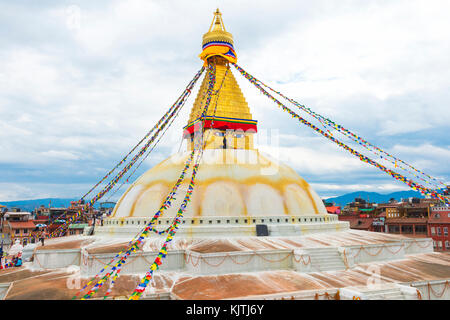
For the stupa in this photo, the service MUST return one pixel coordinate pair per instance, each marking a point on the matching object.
(235, 182)
(253, 230)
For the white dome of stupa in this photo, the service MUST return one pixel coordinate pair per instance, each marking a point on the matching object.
(228, 183)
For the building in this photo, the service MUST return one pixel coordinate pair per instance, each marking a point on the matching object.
(76, 228)
(362, 215)
(379, 222)
(391, 210)
(333, 209)
(409, 217)
(438, 225)
(359, 205)
(414, 227)
(365, 223)
(19, 226)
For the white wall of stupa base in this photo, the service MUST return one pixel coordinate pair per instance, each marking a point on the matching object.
(229, 226)
(305, 260)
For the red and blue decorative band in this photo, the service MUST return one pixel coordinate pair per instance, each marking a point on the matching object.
(218, 43)
(223, 123)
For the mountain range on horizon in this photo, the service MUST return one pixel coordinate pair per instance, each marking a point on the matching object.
(373, 197)
(30, 205)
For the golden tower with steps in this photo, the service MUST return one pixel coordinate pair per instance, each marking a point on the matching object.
(229, 123)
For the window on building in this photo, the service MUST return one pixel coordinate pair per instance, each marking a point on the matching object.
(445, 231)
(434, 243)
(437, 216)
(440, 245)
(394, 229)
(438, 231)
(447, 244)
(421, 229)
(433, 231)
(407, 229)
(17, 231)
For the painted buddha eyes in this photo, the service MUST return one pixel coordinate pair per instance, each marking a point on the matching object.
(236, 135)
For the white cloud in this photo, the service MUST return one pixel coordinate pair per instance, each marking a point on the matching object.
(24, 191)
(75, 100)
(60, 155)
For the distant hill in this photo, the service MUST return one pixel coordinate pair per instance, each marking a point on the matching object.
(30, 205)
(373, 197)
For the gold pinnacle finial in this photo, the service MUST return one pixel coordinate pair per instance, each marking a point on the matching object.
(217, 31)
(217, 14)
(217, 22)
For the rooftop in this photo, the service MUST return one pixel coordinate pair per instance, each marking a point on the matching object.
(361, 223)
(20, 213)
(407, 220)
(21, 225)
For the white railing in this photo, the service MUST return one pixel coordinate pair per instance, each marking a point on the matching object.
(237, 220)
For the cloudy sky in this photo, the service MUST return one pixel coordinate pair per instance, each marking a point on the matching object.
(82, 81)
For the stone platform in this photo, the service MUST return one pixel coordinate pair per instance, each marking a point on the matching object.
(346, 264)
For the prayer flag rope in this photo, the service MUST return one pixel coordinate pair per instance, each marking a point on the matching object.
(353, 136)
(148, 153)
(205, 140)
(162, 123)
(137, 240)
(115, 270)
(414, 185)
(172, 231)
(186, 92)
(58, 231)
(144, 231)
(119, 176)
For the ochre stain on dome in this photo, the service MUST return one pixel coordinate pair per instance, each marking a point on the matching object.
(284, 191)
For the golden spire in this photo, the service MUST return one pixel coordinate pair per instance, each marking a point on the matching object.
(228, 109)
(218, 26)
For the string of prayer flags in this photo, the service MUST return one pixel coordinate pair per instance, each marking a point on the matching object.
(186, 92)
(412, 184)
(138, 291)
